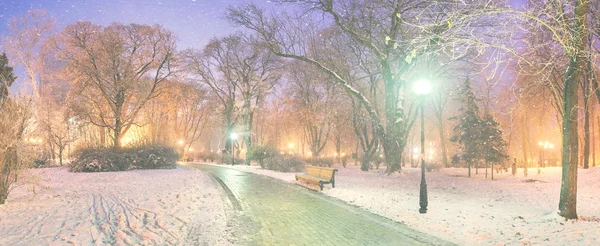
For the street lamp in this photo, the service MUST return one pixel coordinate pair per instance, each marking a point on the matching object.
(233, 139)
(543, 146)
(422, 88)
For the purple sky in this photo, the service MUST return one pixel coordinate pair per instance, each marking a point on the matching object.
(194, 21)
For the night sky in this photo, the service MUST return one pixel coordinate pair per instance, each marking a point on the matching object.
(193, 21)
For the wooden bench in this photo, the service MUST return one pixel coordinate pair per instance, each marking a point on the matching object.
(319, 175)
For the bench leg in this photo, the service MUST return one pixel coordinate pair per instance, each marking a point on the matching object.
(333, 183)
(321, 184)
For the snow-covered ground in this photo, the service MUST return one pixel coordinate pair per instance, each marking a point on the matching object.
(474, 211)
(142, 207)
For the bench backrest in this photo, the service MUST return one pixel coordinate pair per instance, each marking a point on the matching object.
(321, 172)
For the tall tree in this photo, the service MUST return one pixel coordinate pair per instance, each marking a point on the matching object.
(240, 74)
(566, 24)
(493, 146)
(14, 122)
(315, 102)
(468, 132)
(27, 42)
(116, 69)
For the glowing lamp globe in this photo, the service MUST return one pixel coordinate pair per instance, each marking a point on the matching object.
(422, 87)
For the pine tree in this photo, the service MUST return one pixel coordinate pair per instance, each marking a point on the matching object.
(6, 77)
(467, 133)
(493, 145)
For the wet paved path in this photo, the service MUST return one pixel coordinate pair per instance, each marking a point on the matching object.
(273, 212)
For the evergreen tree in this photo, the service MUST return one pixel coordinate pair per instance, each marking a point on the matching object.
(6, 77)
(467, 133)
(493, 145)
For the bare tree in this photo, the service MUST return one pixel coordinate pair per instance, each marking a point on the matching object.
(26, 41)
(193, 112)
(240, 74)
(14, 126)
(116, 69)
(566, 24)
(314, 102)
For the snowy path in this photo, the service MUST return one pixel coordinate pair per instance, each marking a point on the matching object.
(272, 212)
(473, 211)
(147, 207)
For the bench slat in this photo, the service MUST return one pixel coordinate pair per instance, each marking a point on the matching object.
(318, 175)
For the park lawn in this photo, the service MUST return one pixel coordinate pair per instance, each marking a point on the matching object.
(179, 206)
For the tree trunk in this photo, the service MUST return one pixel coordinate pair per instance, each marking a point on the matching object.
(593, 131)
(524, 137)
(117, 134)
(568, 191)
(366, 161)
(586, 132)
(469, 167)
(393, 133)
(443, 146)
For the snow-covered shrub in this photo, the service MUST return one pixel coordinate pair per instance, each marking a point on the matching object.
(320, 161)
(226, 159)
(260, 153)
(110, 160)
(284, 163)
(153, 157)
(100, 160)
(206, 156)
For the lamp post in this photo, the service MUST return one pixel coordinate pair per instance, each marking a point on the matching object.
(233, 139)
(422, 88)
(543, 146)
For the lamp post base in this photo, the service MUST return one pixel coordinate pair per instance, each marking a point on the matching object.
(423, 198)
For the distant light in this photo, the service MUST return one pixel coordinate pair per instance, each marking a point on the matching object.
(181, 142)
(422, 87)
(234, 135)
(291, 145)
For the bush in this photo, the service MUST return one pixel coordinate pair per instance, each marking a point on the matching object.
(153, 157)
(41, 162)
(285, 164)
(110, 160)
(434, 166)
(260, 153)
(226, 159)
(207, 156)
(320, 161)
